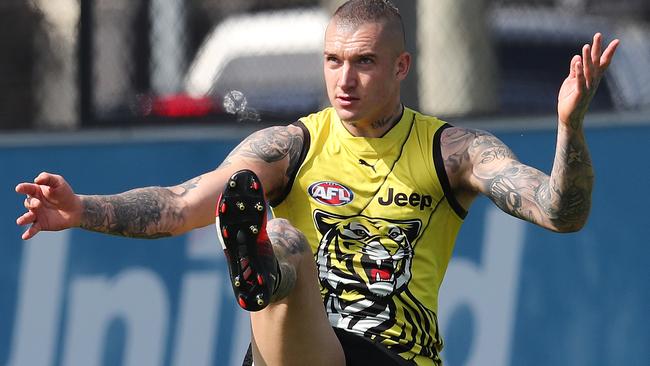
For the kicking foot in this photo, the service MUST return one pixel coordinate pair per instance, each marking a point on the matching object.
(241, 228)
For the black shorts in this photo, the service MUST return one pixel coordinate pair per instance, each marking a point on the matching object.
(358, 351)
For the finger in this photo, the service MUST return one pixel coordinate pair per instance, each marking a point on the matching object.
(32, 203)
(33, 230)
(48, 179)
(608, 54)
(596, 49)
(587, 65)
(30, 189)
(572, 66)
(27, 218)
(580, 76)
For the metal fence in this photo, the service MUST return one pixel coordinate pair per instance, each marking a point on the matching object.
(36, 62)
(75, 63)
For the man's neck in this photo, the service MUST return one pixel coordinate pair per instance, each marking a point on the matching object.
(375, 127)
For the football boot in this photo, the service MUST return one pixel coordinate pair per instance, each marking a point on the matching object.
(241, 217)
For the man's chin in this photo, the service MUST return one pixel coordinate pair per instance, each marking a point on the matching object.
(347, 115)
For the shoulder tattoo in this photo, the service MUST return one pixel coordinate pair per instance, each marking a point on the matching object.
(270, 145)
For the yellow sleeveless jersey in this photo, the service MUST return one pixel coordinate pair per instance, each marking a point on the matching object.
(381, 220)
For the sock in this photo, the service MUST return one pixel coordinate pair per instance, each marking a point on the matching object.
(284, 282)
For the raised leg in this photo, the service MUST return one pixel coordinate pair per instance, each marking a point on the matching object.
(273, 274)
(294, 330)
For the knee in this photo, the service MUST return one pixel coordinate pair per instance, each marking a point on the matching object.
(296, 262)
(287, 240)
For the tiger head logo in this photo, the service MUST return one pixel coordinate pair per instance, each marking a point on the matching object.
(363, 255)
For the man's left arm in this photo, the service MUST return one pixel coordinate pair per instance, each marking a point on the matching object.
(559, 202)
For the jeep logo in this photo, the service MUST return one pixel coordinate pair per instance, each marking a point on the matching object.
(401, 199)
(331, 193)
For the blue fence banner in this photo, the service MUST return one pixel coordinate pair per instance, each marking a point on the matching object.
(514, 294)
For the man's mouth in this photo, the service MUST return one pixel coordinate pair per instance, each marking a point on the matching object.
(346, 100)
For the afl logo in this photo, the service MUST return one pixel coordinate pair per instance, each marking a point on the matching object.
(331, 193)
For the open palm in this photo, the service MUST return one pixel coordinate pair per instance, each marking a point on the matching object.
(585, 73)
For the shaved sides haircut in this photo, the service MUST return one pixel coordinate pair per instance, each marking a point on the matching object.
(357, 12)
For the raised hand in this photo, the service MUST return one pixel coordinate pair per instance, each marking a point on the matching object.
(585, 73)
(51, 205)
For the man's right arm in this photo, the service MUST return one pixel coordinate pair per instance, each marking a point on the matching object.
(153, 212)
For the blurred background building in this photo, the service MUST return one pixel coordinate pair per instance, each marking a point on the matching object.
(69, 64)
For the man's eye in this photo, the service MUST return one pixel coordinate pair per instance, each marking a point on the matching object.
(365, 60)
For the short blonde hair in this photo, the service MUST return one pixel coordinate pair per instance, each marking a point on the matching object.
(356, 12)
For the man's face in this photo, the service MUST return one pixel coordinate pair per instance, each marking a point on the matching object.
(363, 69)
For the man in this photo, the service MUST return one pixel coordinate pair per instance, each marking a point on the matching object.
(373, 191)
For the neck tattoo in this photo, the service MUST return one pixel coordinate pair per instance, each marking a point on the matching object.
(381, 123)
(390, 120)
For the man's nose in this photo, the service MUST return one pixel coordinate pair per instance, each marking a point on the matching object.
(348, 78)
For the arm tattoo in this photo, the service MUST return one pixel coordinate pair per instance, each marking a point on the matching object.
(488, 149)
(504, 193)
(273, 145)
(505, 189)
(560, 201)
(570, 184)
(189, 185)
(149, 213)
(270, 145)
(462, 144)
(573, 202)
(455, 142)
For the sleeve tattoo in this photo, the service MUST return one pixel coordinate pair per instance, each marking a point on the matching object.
(560, 201)
(150, 213)
(270, 145)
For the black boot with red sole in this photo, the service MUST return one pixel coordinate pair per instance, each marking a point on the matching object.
(241, 227)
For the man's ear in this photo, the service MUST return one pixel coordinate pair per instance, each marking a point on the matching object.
(403, 65)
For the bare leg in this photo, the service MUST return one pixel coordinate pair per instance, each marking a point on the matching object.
(294, 328)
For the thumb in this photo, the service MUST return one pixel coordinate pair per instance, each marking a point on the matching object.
(53, 186)
(48, 179)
